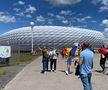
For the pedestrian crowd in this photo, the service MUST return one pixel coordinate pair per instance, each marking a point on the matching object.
(49, 56)
(82, 55)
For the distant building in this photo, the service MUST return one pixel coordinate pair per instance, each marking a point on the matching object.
(105, 33)
(50, 36)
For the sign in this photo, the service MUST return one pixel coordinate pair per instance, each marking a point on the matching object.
(5, 51)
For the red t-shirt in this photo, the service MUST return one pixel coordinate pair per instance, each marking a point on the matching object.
(103, 50)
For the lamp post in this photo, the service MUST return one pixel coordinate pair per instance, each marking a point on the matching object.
(32, 26)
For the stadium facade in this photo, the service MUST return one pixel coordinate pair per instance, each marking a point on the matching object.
(105, 33)
(50, 36)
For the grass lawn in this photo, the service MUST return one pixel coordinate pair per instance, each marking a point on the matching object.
(2, 73)
(17, 61)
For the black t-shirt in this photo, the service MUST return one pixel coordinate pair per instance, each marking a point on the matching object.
(44, 53)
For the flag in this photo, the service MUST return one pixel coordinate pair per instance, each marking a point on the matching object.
(74, 51)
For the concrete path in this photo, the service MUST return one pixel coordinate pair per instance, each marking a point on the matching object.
(30, 78)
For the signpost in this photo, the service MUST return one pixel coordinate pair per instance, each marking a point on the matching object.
(5, 54)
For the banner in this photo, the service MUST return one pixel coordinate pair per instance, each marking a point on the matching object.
(5, 51)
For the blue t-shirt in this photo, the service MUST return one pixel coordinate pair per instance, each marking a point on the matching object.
(86, 66)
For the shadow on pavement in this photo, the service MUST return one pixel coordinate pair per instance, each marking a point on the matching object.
(65, 71)
(62, 71)
(99, 71)
(106, 73)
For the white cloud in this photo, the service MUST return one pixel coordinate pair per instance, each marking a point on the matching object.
(105, 22)
(60, 17)
(63, 12)
(87, 17)
(28, 16)
(63, 2)
(103, 8)
(51, 14)
(106, 30)
(21, 2)
(104, 4)
(16, 9)
(96, 1)
(74, 19)
(79, 19)
(1, 13)
(83, 19)
(30, 9)
(20, 14)
(50, 21)
(65, 21)
(40, 19)
(106, 34)
(7, 18)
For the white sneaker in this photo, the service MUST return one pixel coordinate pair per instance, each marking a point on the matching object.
(45, 72)
(66, 72)
(54, 70)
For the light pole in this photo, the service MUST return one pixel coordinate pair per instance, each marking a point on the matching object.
(32, 26)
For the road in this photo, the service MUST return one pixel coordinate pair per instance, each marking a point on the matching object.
(30, 78)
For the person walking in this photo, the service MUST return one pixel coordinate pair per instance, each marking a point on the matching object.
(103, 52)
(85, 66)
(69, 61)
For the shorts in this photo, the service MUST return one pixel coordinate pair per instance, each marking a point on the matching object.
(69, 61)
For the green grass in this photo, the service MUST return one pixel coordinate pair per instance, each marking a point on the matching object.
(2, 73)
(21, 58)
(17, 60)
(4, 65)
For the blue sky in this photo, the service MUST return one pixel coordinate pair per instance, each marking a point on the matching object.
(90, 14)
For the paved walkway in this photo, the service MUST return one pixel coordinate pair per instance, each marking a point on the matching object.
(30, 78)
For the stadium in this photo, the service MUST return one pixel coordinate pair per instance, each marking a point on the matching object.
(50, 36)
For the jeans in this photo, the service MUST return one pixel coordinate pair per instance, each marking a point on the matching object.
(86, 81)
(45, 64)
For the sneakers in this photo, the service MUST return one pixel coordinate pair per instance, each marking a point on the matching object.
(54, 71)
(66, 72)
(43, 72)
